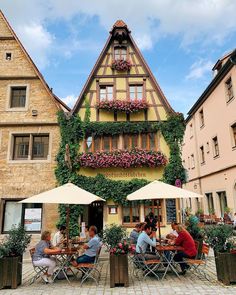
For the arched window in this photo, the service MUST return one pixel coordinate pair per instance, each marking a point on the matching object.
(120, 52)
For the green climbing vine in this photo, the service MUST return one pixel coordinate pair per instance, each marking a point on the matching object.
(73, 131)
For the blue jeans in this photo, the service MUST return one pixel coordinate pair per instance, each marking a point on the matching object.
(85, 259)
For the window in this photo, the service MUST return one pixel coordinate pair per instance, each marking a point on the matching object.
(106, 92)
(21, 147)
(215, 146)
(210, 203)
(202, 154)
(149, 141)
(130, 141)
(191, 130)
(29, 215)
(233, 127)
(88, 147)
(18, 97)
(28, 147)
(229, 89)
(192, 161)
(120, 53)
(8, 56)
(153, 207)
(40, 147)
(105, 143)
(201, 118)
(136, 92)
(131, 213)
(223, 202)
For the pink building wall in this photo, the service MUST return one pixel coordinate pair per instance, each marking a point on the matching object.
(217, 173)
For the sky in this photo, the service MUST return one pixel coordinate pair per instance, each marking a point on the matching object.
(181, 40)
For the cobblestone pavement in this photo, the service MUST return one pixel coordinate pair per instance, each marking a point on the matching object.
(189, 284)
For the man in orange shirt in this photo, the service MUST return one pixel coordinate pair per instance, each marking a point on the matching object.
(186, 241)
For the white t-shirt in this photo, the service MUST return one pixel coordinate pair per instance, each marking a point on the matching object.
(57, 239)
(174, 232)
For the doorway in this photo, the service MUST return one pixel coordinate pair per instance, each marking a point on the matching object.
(95, 215)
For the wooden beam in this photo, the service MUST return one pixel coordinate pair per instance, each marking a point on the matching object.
(19, 124)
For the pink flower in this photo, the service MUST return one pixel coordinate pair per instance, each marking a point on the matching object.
(120, 245)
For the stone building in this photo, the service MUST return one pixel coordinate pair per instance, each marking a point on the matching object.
(121, 80)
(29, 136)
(209, 148)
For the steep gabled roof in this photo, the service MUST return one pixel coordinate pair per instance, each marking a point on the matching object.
(58, 101)
(122, 25)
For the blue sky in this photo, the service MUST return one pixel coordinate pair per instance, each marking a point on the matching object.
(181, 40)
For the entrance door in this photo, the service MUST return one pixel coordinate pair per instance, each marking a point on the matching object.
(95, 216)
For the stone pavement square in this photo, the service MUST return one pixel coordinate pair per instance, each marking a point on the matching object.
(188, 284)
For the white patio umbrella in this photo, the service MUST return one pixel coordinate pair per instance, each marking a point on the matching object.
(65, 194)
(160, 190)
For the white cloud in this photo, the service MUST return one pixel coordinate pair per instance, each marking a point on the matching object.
(199, 69)
(203, 22)
(41, 44)
(70, 100)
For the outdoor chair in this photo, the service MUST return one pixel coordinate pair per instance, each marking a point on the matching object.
(39, 270)
(90, 270)
(198, 266)
(147, 266)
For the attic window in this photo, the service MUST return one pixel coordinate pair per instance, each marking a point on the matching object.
(120, 53)
(8, 56)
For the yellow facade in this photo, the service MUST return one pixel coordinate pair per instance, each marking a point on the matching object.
(158, 110)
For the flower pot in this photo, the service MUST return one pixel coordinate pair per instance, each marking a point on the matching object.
(119, 274)
(10, 272)
(226, 267)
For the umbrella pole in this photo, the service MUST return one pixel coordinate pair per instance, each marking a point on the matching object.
(159, 223)
(67, 224)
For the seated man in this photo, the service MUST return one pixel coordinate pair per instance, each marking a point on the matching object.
(144, 240)
(59, 236)
(91, 248)
(186, 241)
(135, 234)
(173, 234)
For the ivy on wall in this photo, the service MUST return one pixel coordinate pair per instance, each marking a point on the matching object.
(73, 131)
(116, 128)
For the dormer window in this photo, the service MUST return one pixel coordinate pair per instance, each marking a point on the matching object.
(120, 53)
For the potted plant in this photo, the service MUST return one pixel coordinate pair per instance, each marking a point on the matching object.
(222, 239)
(114, 238)
(11, 252)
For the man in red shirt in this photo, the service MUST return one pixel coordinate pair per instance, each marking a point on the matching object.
(186, 241)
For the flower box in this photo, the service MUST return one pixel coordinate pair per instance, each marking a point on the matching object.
(121, 65)
(226, 267)
(128, 106)
(123, 159)
(10, 272)
(119, 271)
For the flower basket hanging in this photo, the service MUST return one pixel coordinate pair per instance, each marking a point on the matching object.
(121, 65)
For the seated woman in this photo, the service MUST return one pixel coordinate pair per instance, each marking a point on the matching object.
(91, 248)
(186, 241)
(41, 256)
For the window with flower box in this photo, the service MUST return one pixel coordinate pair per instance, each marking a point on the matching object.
(106, 92)
(130, 214)
(136, 92)
(103, 143)
(130, 141)
(149, 141)
(120, 53)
